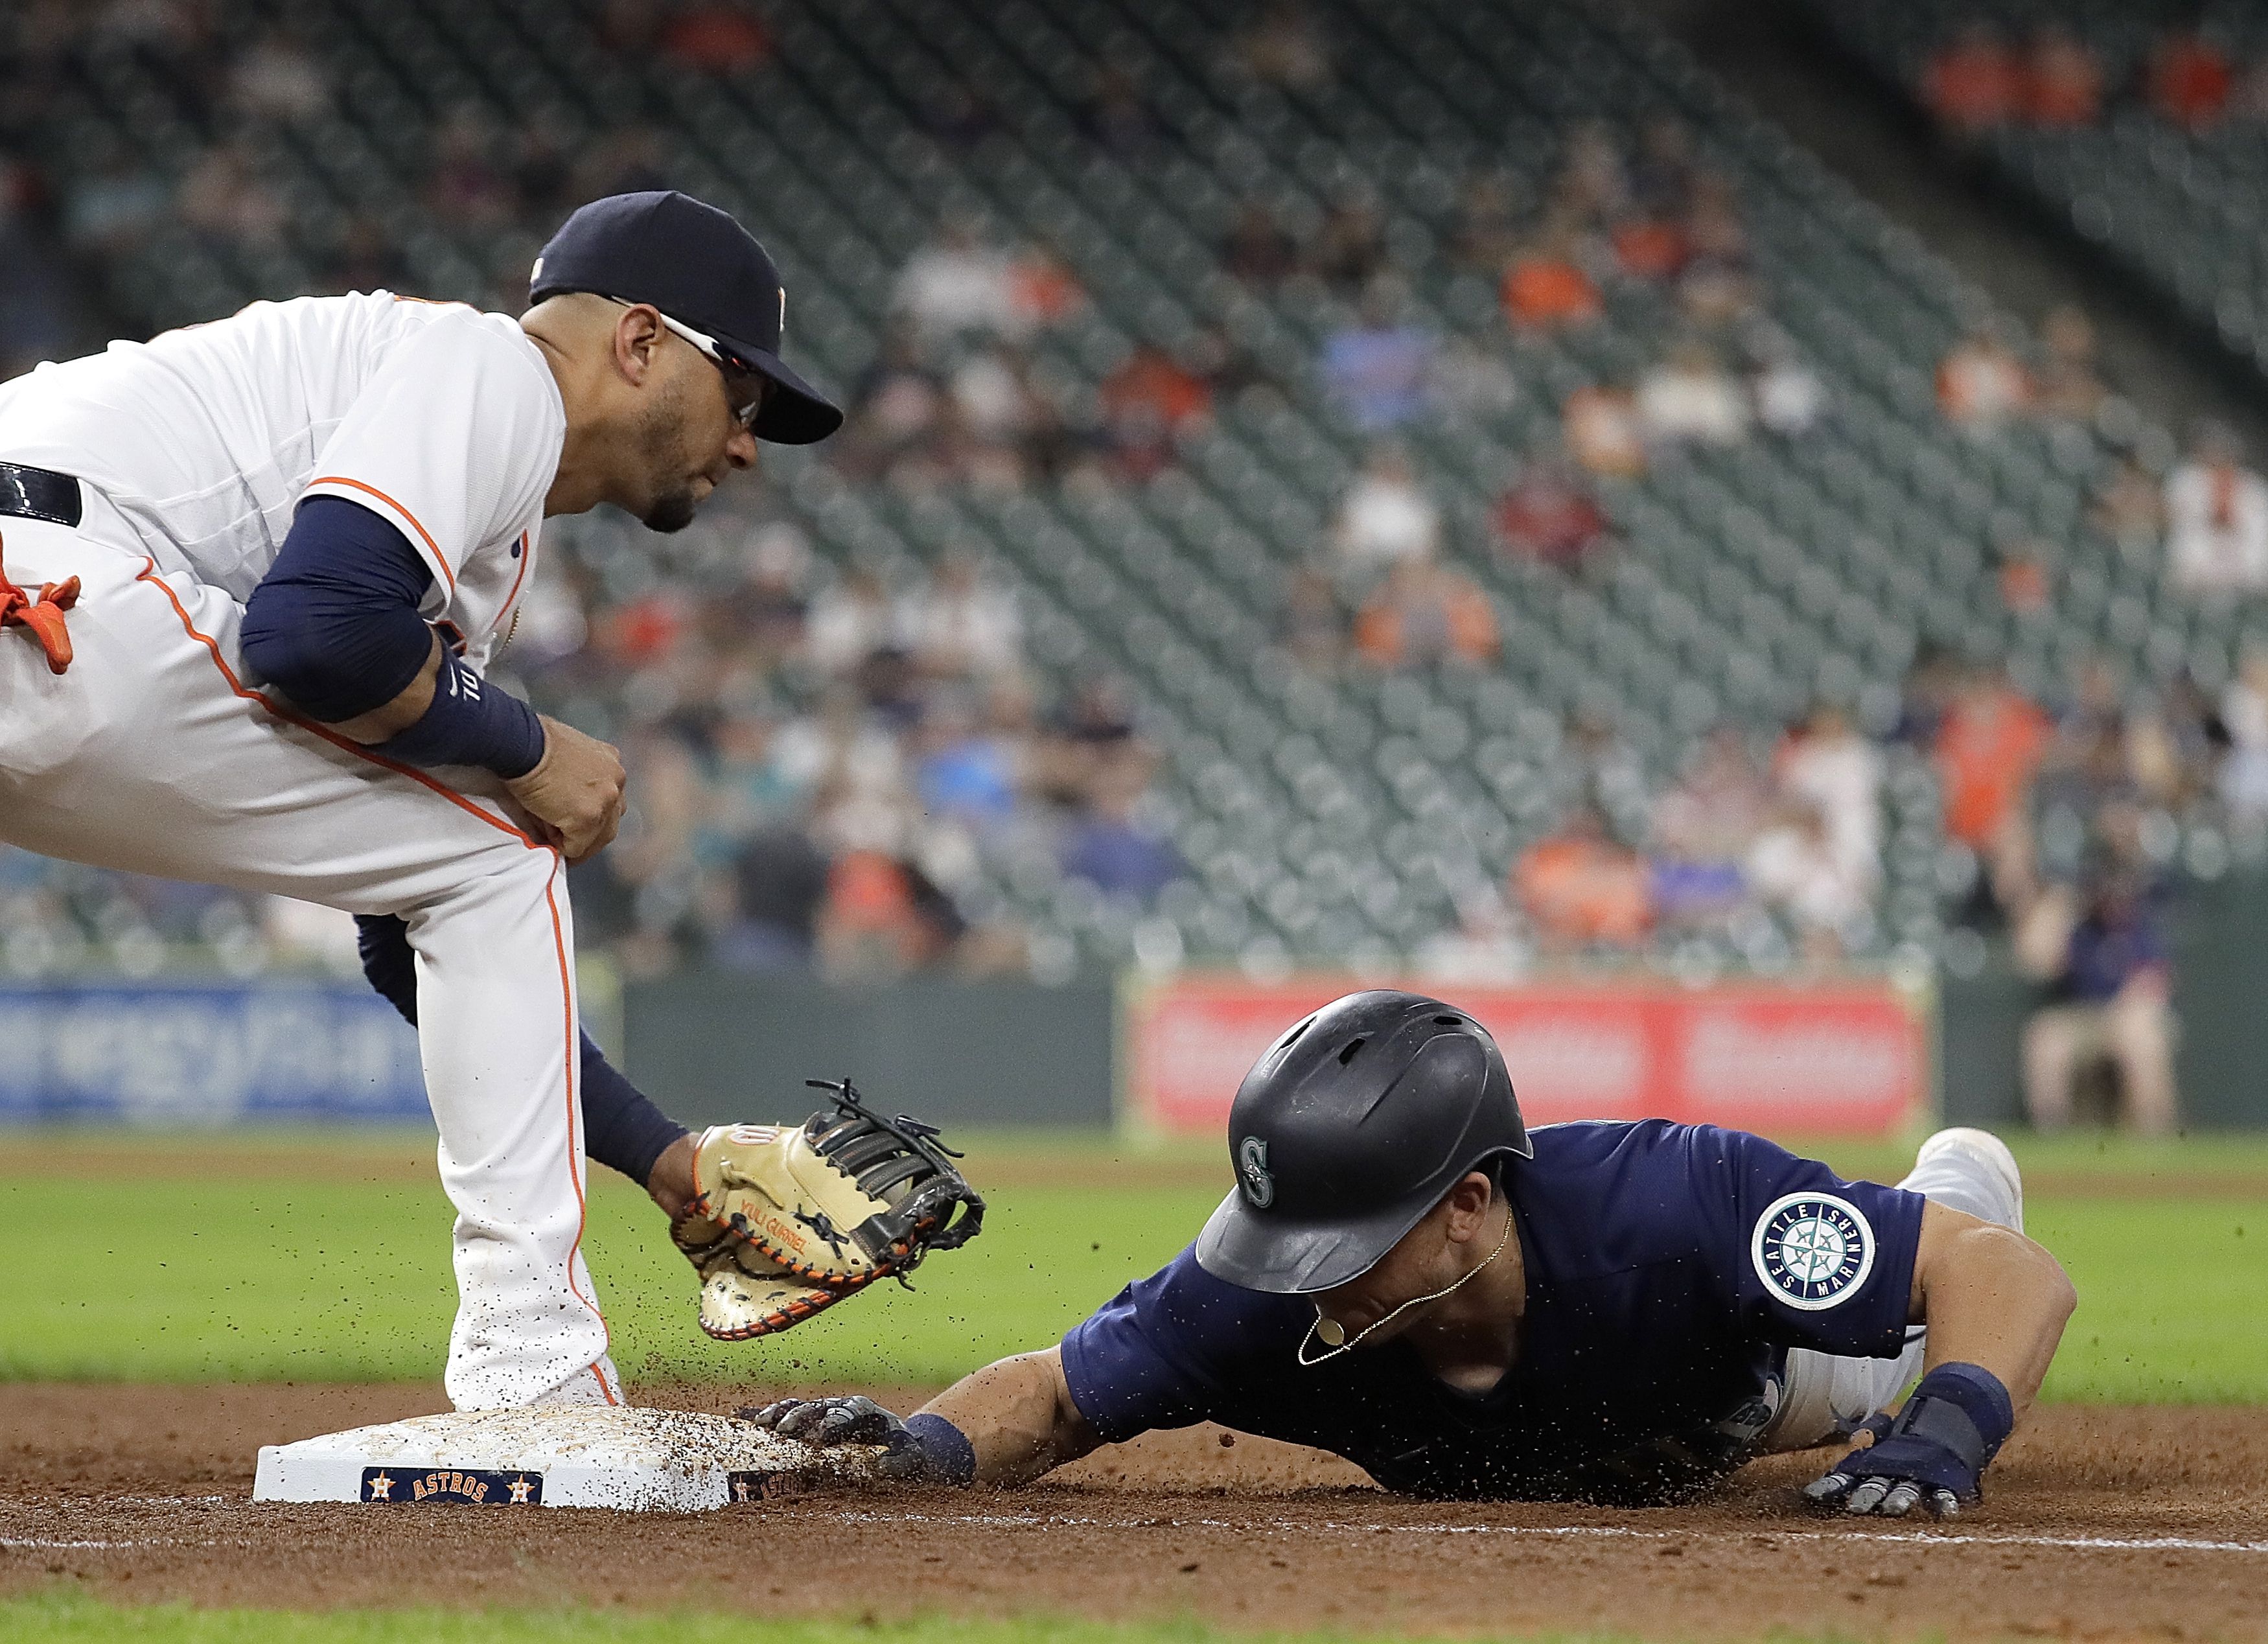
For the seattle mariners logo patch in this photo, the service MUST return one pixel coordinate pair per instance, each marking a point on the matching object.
(1813, 1249)
(1252, 1172)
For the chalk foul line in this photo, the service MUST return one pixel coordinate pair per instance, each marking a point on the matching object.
(1921, 1537)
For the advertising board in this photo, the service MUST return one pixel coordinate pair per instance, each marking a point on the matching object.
(1842, 1058)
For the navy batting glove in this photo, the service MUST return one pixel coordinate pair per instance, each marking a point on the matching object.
(921, 1450)
(1951, 1427)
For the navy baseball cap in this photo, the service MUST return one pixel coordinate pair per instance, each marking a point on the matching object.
(697, 265)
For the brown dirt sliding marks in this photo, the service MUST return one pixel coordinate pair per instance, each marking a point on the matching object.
(140, 1492)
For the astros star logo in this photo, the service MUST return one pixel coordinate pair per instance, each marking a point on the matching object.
(520, 1491)
(382, 1488)
(1813, 1249)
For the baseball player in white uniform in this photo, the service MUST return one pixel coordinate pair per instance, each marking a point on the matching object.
(251, 573)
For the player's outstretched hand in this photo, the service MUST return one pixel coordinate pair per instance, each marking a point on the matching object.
(855, 1419)
(576, 790)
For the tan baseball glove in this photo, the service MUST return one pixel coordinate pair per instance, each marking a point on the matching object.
(786, 1221)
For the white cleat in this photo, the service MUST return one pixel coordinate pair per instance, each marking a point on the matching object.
(1972, 1171)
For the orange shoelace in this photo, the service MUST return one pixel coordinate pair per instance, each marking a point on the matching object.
(42, 616)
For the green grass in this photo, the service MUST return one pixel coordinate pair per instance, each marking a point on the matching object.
(71, 1619)
(262, 1274)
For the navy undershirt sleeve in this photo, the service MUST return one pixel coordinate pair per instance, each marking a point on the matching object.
(334, 624)
(621, 1129)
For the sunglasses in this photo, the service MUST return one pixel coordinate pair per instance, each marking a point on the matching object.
(733, 372)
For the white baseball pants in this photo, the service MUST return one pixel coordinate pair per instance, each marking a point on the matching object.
(152, 754)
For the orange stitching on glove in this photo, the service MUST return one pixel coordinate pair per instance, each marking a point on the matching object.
(41, 616)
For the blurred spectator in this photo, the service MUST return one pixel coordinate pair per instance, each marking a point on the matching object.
(721, 37)
(1691, 398)
(1093, 743)
(1042, 290)
(1257, 250)
(1147, 404)
(1108, 846)
(1988, 745)
(1702, 828)
(276, 77)
(1602, 433)
(2217, 519)
(1287, 49)
(2062, 81)
(1975, 82)
(1716, 283)
(897, 407)
(1548, 512)
(1311, 625)
(1790, 398)
(850, 620)
(990, 411)
(1349, 250)
(966, 770)
(1651, 248)
(1376, 370)
(1798, 871)
(1486, 236)
(2189, 79)
(1580, 888)
(780, 880)
(2130, 508)
(1928, 695)
(958, 627)
(1546, 286)
(2243, 775)
(1424, 612)
(1386, 517)
(2067, 385)
(958, 284)
(1981, 384)
(1825, 764)
(225, 199)
(762, 618)
(871, 925)
(543, 165)
(626, 159)
(2112, 1003)
(113, 204)
(1469, 382)
(1591, 187)
(956, 113)
(1663, 178)
(470, 187)
(2027, 590)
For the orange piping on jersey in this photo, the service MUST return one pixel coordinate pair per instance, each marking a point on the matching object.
(574, 1114)
(148, 574)
(439, 558)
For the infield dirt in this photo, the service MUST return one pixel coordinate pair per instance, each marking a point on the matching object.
(142, 1492)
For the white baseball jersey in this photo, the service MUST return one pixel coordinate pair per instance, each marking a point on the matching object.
(444, 421)
(155, 753)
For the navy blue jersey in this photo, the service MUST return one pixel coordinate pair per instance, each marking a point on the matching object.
(1669, 1268)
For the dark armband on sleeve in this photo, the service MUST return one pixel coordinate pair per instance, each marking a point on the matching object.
(621, 1128)
(471, 723)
